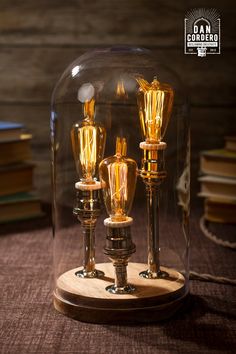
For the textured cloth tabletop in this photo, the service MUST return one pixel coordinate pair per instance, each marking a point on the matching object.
(29, 323)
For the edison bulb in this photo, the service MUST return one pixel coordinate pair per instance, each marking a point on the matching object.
(118, 178)
(155, 101)
(88, 143)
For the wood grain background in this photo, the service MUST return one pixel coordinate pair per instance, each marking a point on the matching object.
(39, 39)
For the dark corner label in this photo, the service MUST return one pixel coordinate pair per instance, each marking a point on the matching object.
(202, 32)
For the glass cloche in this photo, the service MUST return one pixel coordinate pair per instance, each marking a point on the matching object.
(120, 172)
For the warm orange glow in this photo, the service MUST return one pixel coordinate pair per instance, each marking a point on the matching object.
(118, 177)
(88, 142)
(155, 101)
(117, 173)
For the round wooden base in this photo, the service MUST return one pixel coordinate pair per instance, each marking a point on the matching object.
(88, 301)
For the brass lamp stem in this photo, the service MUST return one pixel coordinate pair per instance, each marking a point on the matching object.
(119, 247)
(89, 249)
(153, 229)
(87, 211)
(120, 275)
(153, 173)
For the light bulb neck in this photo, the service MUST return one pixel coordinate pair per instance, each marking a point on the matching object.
(152, 141)
(88, 180)
(118, 218)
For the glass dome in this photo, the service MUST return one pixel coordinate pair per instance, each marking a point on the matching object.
(119, 116)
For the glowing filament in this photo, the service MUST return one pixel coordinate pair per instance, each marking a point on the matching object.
(118, 178)
(88, 150)
(88, 142)
(155, 102)
(117, 173)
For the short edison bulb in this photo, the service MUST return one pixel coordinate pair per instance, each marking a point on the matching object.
(118, 178)
(88, 143)
(155, 101)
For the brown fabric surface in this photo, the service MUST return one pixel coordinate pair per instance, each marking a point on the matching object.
(29, 323)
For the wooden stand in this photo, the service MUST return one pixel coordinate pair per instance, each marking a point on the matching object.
(88, 301)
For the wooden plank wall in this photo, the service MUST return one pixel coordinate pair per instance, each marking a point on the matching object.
(38, 39)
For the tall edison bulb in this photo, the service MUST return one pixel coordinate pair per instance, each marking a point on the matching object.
(155, 101)
(88, 143)
(118, 178)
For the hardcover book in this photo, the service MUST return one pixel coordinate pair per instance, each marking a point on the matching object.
(216, 186)
(16, 150)
(219, 162)
(19, 206)
(222, 211)
(10, 130)
(16, 178)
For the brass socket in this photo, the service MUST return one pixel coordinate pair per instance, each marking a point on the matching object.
(87, 210)
(88, 205)
(119, 247)
(153, 173)
(153, 166)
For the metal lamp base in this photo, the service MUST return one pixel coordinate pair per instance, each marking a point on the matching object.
(113, 289)
(93, 274)
(154, 275)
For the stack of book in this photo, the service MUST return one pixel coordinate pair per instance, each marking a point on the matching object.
(218, 182)
(17, 199)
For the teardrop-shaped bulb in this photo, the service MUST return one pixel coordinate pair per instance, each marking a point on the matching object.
(155, 101)
(88, 143)
(118, 178)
